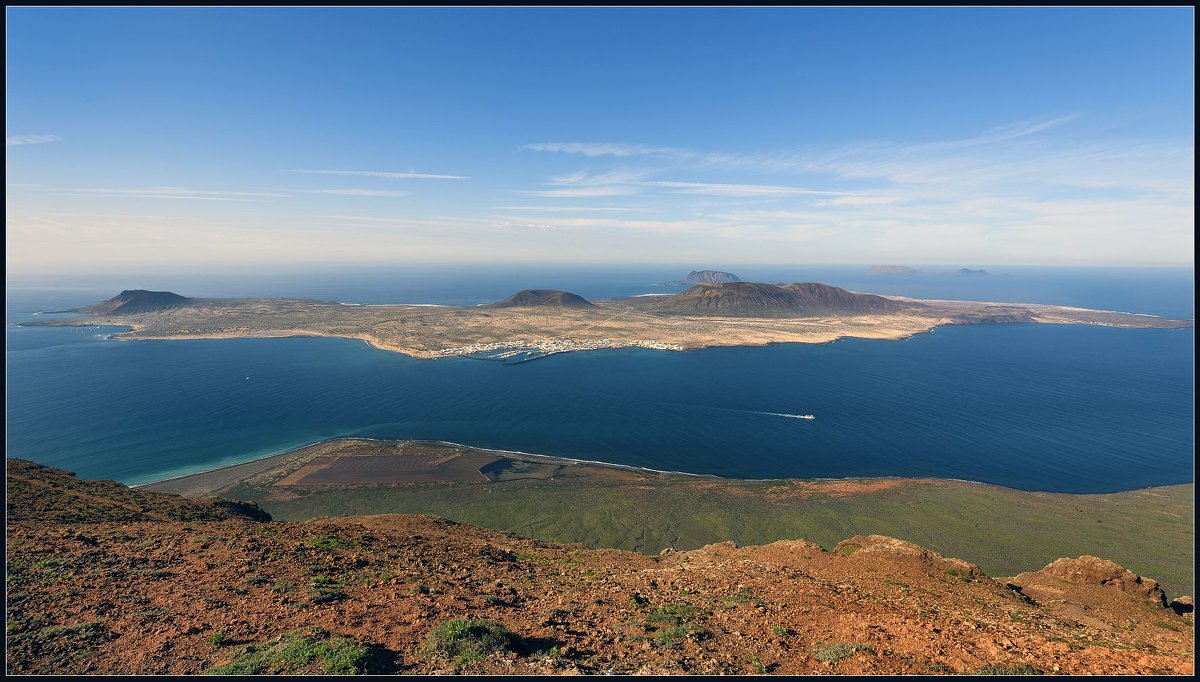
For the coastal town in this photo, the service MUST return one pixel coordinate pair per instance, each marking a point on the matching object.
(505, 350)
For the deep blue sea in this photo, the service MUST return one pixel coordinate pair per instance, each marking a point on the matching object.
(1036, 407)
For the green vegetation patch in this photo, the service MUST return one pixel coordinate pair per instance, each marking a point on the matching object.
(742, 596)
(671, 637)
(832, 653)
(1016, 669)
(670, 614)
(670, 625)
(325, 595)
(297, 652)
(83, 631)
(329, 542)
(985, 525)
(470, 640)
(55, 643)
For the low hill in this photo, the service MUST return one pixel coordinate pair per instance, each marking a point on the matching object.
(711, 277)
(44, 494)
(416, 594)
(892, 270)
(548, 298)
(751, 298)
(967, 272)
(137, 301)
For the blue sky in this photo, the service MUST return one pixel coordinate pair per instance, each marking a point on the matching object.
(144, 137)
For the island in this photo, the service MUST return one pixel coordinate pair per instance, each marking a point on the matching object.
(892, 270)
(711, 277)
(703, 277)
(538, 322)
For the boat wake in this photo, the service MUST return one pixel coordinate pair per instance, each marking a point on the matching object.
(785, 415)
(781, 414)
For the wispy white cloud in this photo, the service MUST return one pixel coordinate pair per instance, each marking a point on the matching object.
(858, 200)
(571, 209)
(737, 190)
(168, 193)
(786, 159)
(123, 216)
(1029, 160)
(1045, 190)
(355, 192)
(14, 140)
(465, 225)
(520, 225)
(582, 192)
(379, 219)
(612, 183)
(639, 225)
(1011, 131)
(617, 176)
(412, 221)
(616, 149)
(398, 175)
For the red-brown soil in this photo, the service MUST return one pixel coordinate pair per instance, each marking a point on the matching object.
(145, 592)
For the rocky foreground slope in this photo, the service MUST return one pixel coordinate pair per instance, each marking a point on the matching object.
(106, 580)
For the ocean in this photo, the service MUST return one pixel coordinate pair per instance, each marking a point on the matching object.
(1035, 407)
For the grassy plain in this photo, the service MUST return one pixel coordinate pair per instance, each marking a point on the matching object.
(1003, 530)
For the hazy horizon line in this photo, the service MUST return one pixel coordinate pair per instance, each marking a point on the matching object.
(264, 269)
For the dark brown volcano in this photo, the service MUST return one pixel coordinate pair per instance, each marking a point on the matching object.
(137, 301)
(748, 298)
(550, 298)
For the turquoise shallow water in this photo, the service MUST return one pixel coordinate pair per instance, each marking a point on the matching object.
(1041, 407)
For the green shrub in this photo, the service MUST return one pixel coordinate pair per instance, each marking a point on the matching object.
(670, 614)
(217, 638)
(324, 595)
(1018, 669)
(832, 653)
(296, 652)
(671, 637)
(467, 641)
(328, 542)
